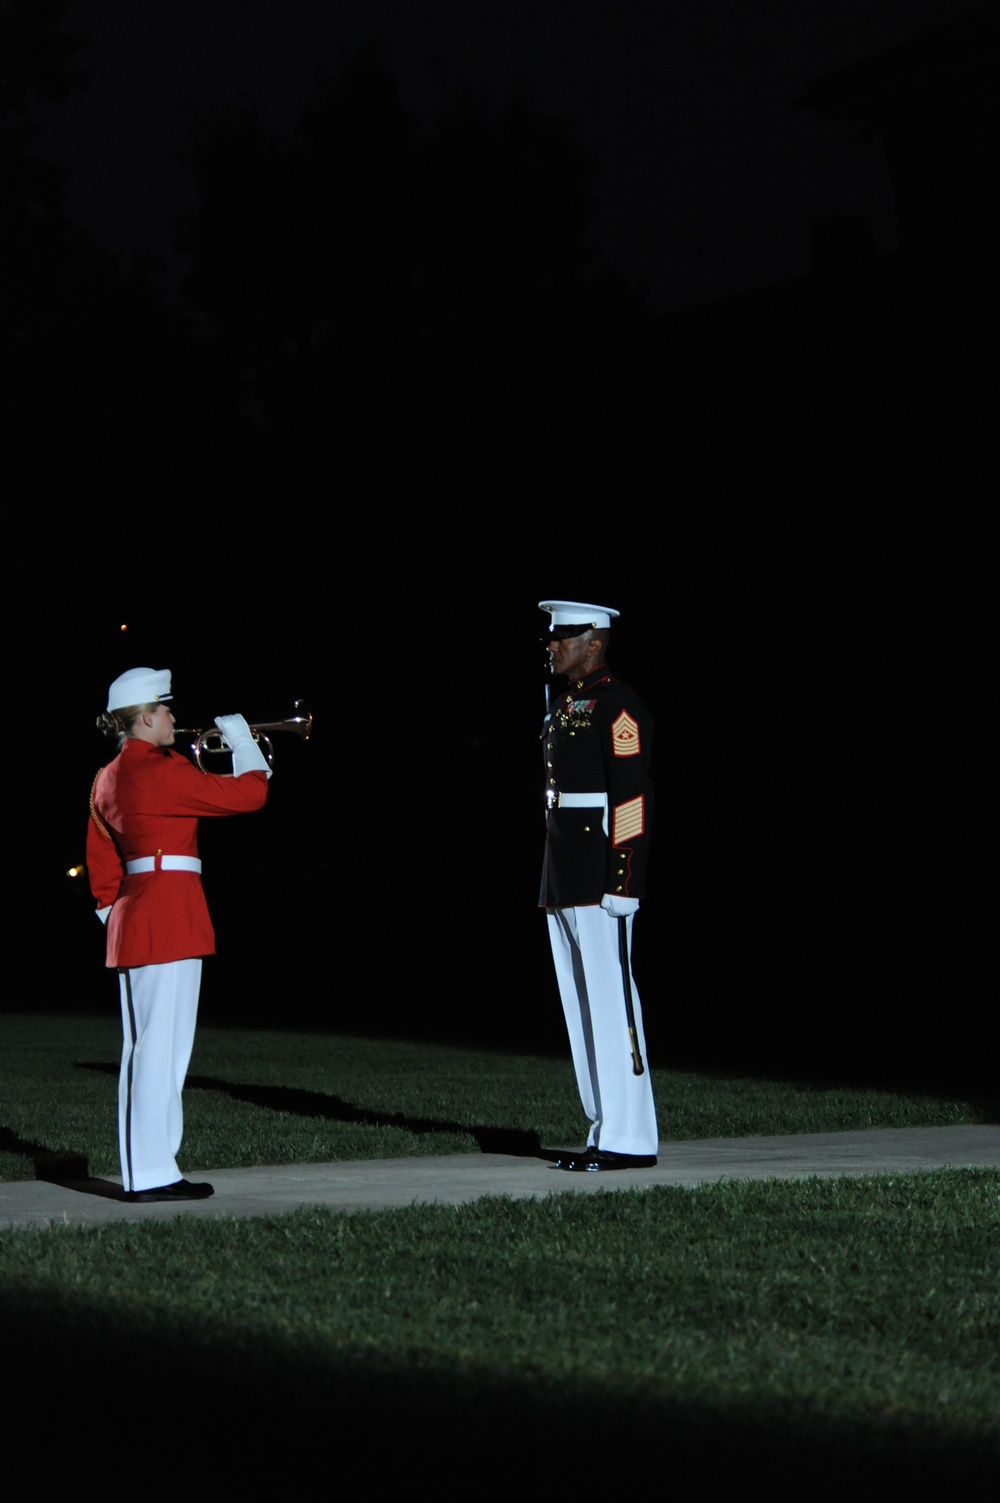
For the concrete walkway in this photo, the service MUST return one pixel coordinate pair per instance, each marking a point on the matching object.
(372, 1185)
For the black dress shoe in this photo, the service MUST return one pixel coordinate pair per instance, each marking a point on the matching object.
(181, 1189)
(562, 1157)
(598, 1160)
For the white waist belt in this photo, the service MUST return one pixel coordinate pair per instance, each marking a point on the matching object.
(582, 800)
(166, 863)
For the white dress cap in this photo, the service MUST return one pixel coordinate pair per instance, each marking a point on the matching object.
(576, 613)
(139, 686)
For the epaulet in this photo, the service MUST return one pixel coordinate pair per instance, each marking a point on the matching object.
(98, 821)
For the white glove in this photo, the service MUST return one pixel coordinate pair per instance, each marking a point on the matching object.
(247, 755)
(102, 913)
(619, 907)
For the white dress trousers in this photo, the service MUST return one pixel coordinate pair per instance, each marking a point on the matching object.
(159, 1012)
(618, 1102)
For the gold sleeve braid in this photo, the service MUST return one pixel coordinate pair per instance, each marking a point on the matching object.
(98, 821)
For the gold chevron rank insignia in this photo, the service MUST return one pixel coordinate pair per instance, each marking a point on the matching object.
(629, 821)
(625, 736)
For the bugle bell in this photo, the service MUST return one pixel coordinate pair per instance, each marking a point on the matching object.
(210, 743)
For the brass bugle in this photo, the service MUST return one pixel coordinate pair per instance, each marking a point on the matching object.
(209, 742)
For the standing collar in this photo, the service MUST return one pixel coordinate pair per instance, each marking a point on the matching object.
(599, 675)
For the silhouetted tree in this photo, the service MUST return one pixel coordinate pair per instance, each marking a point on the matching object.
(36, 67)
(383, 284)
(112, 398)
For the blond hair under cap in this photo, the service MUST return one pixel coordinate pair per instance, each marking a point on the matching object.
(139, 686)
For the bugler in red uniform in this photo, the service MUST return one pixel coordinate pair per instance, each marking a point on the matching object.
(145, 874)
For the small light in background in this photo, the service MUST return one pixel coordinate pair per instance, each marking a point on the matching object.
(124, 626)
(76, 871)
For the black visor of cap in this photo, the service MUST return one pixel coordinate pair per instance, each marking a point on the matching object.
(561, 633)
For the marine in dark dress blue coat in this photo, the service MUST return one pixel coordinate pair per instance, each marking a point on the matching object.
(598, 744)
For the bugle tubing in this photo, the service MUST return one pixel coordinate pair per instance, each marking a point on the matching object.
(209, 742)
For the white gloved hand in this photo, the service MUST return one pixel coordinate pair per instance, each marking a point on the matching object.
(617, 906)
(102, 913)
(247, 755)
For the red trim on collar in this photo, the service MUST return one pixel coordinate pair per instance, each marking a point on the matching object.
(599, 675)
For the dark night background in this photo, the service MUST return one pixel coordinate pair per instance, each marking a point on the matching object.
(338, 343)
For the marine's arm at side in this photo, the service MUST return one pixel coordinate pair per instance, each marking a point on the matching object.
(628, 753)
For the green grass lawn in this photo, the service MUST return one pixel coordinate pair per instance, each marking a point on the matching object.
(811, 1338)
(284, 1097)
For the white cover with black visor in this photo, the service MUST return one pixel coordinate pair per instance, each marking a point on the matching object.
(571, 617)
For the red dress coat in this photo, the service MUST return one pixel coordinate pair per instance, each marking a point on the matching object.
(148, 801)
